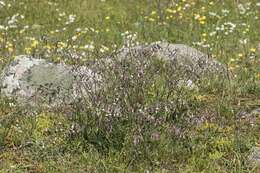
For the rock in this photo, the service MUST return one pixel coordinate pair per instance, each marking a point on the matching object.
(37, 81)
(189, 60)
(254, 157)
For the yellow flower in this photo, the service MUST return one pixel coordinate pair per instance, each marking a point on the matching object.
(240, 55)
(202, 18)
(61, 44)
(151, 19)
(153, 12)
(48, 47)
(232, 60)
(257, 75)
(107, 17)
(201, 97)
(253, 50)
(196, 16)
(28, 50)
(170, 10)
(34, 43)
(10, 49)
(202, 22)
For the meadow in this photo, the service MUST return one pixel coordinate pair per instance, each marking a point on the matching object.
(218, 139)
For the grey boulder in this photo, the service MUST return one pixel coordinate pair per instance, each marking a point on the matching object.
(254, 157)
(190, 60)
(39, 82)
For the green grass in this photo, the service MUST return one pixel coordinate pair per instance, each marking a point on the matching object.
(219, 141)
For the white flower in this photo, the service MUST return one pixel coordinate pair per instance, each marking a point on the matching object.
(78, 29)
(13, 19)
(244, 41)
(74, 38)
(225, 12)
(214, 14)
(62, 14)
(2, 3)
(89, 47)
(2, 27)
(241, 8)
(212, 33)
(72, 18)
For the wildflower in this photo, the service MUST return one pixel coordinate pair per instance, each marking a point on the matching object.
(2, 3)
(232, 60)
(201, 19)
(257, 75)
(212, 33)
(71, 19)
(240, 55)
(242, 9)
(75, 37)
(62, 14)
(13, 19)
(107, 17)
(151, 19)
(28, 50)
(89, 47)
(61, 45)
(34, 43)
(153, 12)
(104, 49)
(170, 10)
(9, 46)
(202, 22)
(196, 16)
(48, 47)
(253, 50)
(78, 29)
(244, 41)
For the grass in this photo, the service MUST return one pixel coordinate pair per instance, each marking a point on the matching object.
(203, 130)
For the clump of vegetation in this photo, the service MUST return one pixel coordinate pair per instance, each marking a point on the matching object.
(145, 119)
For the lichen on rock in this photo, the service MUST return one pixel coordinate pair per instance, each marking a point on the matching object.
(37, 81)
